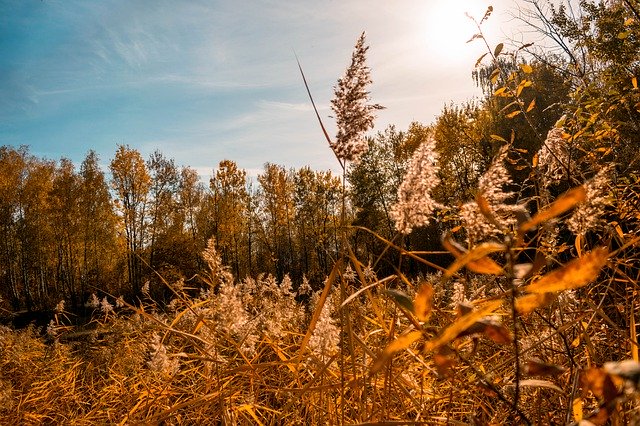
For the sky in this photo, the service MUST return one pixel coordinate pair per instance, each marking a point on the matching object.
(207, 80)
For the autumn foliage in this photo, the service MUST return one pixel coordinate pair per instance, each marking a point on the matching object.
(482, 269)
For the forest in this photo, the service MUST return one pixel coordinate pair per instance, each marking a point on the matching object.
(480, 269)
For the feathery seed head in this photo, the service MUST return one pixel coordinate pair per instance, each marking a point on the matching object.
(415, 205)
(354, 114)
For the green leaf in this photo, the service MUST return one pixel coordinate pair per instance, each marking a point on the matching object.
(400, 298)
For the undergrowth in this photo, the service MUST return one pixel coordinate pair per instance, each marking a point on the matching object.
(533, 322)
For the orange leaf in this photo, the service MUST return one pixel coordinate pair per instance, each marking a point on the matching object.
(477, 261)
(575, 274)
(532, 105)
(498, 333)
(535, 367)
(422, 305)
(565, 202)
(600, 383)
(530, 302)
(576, 407)
(461, 324)
(401, 343)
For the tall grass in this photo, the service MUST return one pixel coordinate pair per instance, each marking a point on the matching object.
(512, 331)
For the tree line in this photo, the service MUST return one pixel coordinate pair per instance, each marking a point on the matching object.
(69, 231)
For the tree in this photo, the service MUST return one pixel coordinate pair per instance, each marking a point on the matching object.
(162, 194)
(230, 200)
(317, 212)
(98, 223)
(131, 182)
(65, 211)
(277, 210)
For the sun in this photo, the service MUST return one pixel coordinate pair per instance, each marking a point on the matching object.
(448, 28)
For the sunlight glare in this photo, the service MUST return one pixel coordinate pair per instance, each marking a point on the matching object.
(447, 29)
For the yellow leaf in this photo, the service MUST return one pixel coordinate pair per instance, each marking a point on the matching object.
(475, 260)
(565, 202)
(628, 22)
(498, 138)
(576, 407)
(633, 334)
(422, 305)
(494, 75)
(634, 82)
(530, 302)
(461, 324)
(526, 68)
(575, 274)
(401, 343)
(500, 91)
(513, 113)
(578, 245)
(532, 105)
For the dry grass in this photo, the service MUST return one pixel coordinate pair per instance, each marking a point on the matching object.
(186, 366)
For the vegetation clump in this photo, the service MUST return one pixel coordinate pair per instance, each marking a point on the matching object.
(312, 299)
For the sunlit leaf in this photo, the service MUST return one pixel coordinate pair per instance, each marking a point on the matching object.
(530, 302)
(634, 82)
(600, 383)
(498, 138)
(532, 105)
(461, 324)
(500, 91)
(475, 260)
(578, 245)
(401, 343)
(565, 202)
(575, 274)
(526, 68)
(494, 75)
(491, 327)
(576, 408)
(423, 303)
(513, 113)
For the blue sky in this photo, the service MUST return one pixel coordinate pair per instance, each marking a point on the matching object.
(209, 80)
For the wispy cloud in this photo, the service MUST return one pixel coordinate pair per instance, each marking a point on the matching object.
(208, 80)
